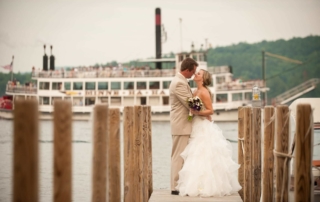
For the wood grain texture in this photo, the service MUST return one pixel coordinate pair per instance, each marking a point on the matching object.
(256, 155)
(282, 145)
(99, 167)
(138, 155)
(248, 153)
(113, 152)
(145, 150)
(150, 178)
(25, 151)
(303, 184)
(268, 158)
(240, 149)
(62, 121)
(129, 141)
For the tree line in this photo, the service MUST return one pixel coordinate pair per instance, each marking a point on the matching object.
(246, 62)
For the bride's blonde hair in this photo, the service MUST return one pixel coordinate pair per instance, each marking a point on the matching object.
(207, 81)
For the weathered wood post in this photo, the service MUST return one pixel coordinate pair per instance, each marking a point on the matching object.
(247, 121)
(128, 138)
(145, 149)
(25, 151)
(137, 153)
(282, 149)
(150, 178)
(62, 120)
(241, 149)
(99, 167)
(256, 154)
(268, 158)
(113, 156)
(303, 184)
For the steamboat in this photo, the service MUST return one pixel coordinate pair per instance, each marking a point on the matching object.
(122, 86)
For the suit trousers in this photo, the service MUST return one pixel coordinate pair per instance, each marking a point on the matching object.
(179, 143)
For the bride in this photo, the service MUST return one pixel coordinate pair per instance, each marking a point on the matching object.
(208, 168)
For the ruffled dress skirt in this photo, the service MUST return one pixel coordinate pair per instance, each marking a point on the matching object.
(208, 168)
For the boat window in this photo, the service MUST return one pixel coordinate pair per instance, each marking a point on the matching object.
(165, 100)
(115, 85)
(77, 85)
(90, 85)
(56, 85)
(115, 101)
(192, 84)
(128, 101)
(166, 84)
(103, 85)
(67, 99)
(154, 85)
(104, 100)
(236, 96)
(54, 99)
(154, 101)
(77, 101)
(194, 57)
(67, 86)
(44, 100)
(180, 58)
(221, 98)
(248, 96)
(89, 101)
(44, 85)
(221, 79)
(128, 85)
(141, 85)
(143, 100)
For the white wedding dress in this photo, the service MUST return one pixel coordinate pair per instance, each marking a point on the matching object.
(208, 168)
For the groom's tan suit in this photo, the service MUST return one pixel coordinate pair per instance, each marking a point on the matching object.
(180, 126)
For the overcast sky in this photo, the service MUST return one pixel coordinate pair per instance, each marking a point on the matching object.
(89, 32)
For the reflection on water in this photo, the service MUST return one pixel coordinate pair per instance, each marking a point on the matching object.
(82, 157)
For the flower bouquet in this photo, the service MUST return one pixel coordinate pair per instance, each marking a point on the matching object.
(194, 103)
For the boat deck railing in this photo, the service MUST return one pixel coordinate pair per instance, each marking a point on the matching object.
(21, 89)
(105, 73)
(235, 85)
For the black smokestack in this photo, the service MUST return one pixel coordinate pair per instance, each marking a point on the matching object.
(45, 60)
(158, 37)
(51, 60)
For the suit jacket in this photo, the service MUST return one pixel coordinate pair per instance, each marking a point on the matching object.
(179, 92)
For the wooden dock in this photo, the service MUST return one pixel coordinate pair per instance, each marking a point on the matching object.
(165, 196)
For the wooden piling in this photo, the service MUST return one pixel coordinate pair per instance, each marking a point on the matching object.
(150, 178)
(241, 149)
(129, 141)
(138, 155)
(256, 154)
(62, 118)
(99, 167)
(145, 150)
(113, 155)
(303, 184)
(25, 151)
(282, 146)
(268, 158)
(247, 153)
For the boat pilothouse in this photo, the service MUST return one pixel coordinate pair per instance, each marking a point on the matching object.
(126, 86)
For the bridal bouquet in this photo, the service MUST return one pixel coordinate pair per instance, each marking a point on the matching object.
(194, 103)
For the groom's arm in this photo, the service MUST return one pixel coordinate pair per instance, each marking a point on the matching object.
(183, 93)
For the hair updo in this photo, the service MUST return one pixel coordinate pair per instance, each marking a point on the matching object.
(207, 81)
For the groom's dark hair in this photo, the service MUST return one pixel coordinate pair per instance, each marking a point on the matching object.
(189, 64)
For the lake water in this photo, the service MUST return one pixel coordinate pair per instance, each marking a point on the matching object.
(82, 156)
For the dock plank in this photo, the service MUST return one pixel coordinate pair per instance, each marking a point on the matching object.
(165, 196)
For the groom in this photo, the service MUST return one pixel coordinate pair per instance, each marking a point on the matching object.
(180, 126)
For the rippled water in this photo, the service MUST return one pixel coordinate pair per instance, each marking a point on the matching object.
(82, 157)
